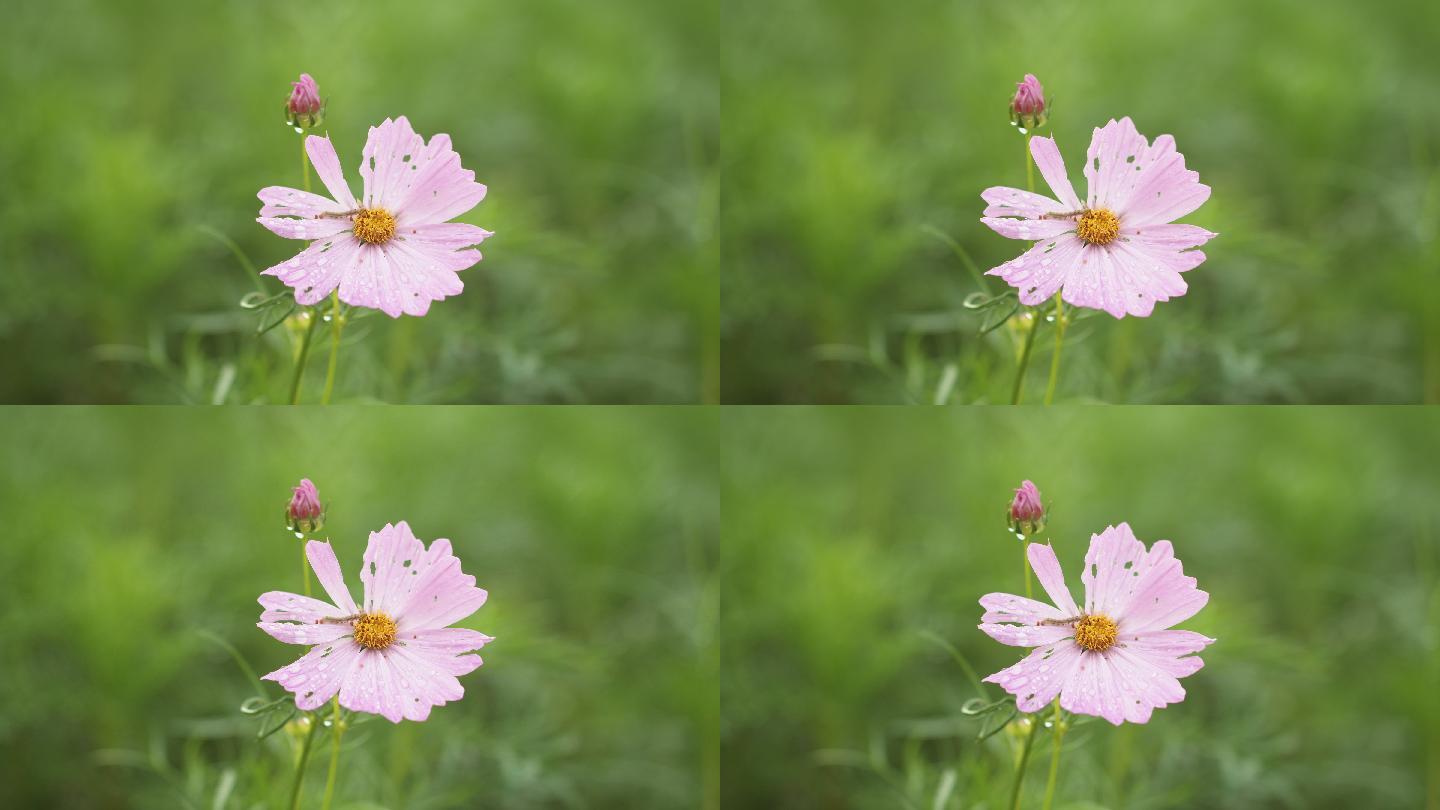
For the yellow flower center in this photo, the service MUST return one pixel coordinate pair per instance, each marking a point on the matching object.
(1095, 632)
(374, 225)
(376, 631)
(1096, 226)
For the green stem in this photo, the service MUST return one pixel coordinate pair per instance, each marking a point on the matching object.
(1035, 313)
(334, 753)
(1025, 560)
(1025, 358)
(1059, 340)
(1059, 732)
(1024, 761)
(305, 567)
(304, 759)
(336, 325)
(304, 163)
(304, 355)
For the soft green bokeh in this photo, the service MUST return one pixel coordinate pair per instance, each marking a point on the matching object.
(851, 534)
(135, 130)
(130, 534)
(851, 128)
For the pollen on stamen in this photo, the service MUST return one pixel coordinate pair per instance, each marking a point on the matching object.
(374, 225)
(374, 631)
(1098, 226)
(1096, 632)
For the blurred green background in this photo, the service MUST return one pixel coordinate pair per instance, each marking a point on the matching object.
(137, 134)
(130, 534)
(851, 534)
(854, 131)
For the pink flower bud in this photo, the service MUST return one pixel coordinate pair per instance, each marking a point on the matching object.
(305, 513)
(1027, 513)
(304, 109)
(1028, 109)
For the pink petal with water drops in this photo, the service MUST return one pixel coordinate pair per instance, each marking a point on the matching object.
(1007, 607)
(1028, 229)
(327, 167)
(292, 202)
(317, 676)
(442, 189)
(1040, 271)
(314, 272)
(282, 606)
(1026, 636)
(292, 228)
(1047, 570)
(327, 570)
(1039, 677)
(391, 150)
(1012, 202)
(443, 594)
(1052, 168)
(389, 565)
(292, 633)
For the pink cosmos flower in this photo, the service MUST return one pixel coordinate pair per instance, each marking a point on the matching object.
(395, 654)
(1116, 658)
(1117, 251)
(1027, 512)
(304, 510)
(393, 249)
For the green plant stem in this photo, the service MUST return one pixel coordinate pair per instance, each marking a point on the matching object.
(304, 355)
(305, 568)
(336, 325)
(304, 759)
(1059, 733)
(304, 164)
(334, 753)
(1024, 761)
(1024, 560)
(1059, 341)
(1035, 323)
(1025, 359)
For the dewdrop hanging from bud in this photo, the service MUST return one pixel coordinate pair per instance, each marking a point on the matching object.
(305, 514)
(1026, 515)
(1028, 108)
(304, 109)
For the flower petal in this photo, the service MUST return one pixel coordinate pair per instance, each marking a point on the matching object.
(1029, 229)
(441, 188)
(1007, 607)
(390, 558)
(282, 606)
(327, 166)
(1171, 237)
(389, 160)
(1052, 168)
(317, 270)
(427, 681)
(293, 633)
(316, 676)
(1162, 597)
(372, 687)
(1112, 568)
(1012, 202)
(1164, 190)
(327, 570)
(1038, 272)
(1027, 635)
(450, 235)
(442, 594)
(1047, 570)
(292, 228)
(1115, 162)
(1039, 677)
(281, 201)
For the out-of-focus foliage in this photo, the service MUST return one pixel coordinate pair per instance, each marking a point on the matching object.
(137, 133)
(857, 543)
(137, 541)
(858, 136)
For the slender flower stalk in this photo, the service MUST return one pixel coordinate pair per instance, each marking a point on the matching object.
(1055, 358)
(1024, 761)
(337, 323)
(338, 728)
(302, 357)
(304, 760)
(1057, 731)
(1018, 390)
